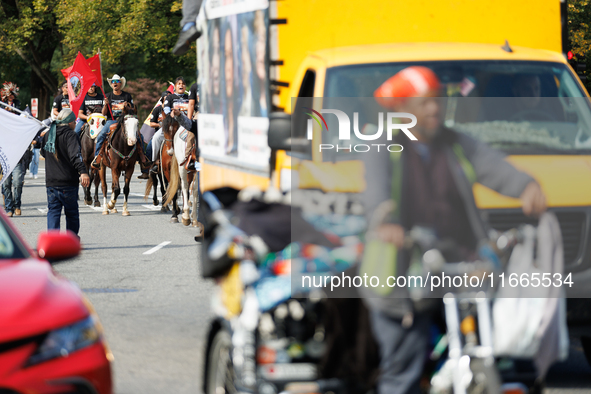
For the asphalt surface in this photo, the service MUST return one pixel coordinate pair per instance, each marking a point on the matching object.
(152, 301)
(153, 304)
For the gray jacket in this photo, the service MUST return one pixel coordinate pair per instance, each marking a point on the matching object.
(490, 169)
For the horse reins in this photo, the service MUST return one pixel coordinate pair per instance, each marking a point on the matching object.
(126, 158)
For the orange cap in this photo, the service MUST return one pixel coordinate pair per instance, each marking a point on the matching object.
(415, 81)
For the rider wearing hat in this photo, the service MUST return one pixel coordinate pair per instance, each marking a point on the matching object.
(114, 104)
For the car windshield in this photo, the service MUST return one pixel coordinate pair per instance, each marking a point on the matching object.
(10, 247)
(521, 107)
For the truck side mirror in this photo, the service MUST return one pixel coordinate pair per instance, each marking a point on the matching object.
(279, 136)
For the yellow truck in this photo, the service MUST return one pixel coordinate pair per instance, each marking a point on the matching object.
(257, 59)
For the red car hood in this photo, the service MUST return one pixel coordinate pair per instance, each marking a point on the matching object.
(33, 300)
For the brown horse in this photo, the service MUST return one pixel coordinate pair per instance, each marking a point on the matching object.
(87, 145)
(169, 129)
(121, 154)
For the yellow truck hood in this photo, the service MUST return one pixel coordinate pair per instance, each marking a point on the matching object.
(566, 181)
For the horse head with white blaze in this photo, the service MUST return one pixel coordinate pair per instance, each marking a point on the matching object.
(131, 129)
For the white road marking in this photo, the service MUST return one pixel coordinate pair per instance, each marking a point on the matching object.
(153, 207)
(157, 247)
(136, 194)
(43, 210)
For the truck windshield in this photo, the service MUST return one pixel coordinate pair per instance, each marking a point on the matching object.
(521, 107)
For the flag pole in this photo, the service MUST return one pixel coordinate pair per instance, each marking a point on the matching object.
(26, 115)
(101, 66)
(102, 83)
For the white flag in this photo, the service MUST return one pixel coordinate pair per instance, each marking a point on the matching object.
(16, 134)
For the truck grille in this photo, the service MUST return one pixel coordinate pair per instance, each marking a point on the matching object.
(572, 226)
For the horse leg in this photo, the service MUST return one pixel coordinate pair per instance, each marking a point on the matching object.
(96, 186)
(103, 176)
(128, 175)
(195, 199)
(185, 192)
(163, 187)
(87, 190)
(155, 183)
(175, 210)
(116, 190)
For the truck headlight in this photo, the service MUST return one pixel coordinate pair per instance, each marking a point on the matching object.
(63, 341)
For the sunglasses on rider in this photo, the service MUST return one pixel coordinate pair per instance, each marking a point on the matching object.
(115, 80)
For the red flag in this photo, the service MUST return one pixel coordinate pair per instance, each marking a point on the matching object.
(95, 65)
(171, 87)
(80, 78)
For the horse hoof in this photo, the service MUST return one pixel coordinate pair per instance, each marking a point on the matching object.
(174, 220)
(105, 212)
(201, 228)
(114, 210)
(111, 205)
(186, 222)
(97, 204)
(164, 209)
(126, 213)
(88, 202)
(156, 202)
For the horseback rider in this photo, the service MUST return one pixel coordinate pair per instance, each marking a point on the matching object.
(117, 100)
(156, 124)
(178, 100)
(61, 101)
(93, 103)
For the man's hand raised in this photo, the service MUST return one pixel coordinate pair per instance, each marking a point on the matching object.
(533, 200)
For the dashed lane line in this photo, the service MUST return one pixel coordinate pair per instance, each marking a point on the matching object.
(157, 247)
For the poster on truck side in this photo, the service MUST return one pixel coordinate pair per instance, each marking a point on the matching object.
(233, 81)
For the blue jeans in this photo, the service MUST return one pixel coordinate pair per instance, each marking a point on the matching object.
(66, 197)
(12, 198)
(149, 148)
(34, 166)
(102, 136)
(79, 124)
(402, 352)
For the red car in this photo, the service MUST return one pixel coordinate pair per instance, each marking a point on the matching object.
(51, 340)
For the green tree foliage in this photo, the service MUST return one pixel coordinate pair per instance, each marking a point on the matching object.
(38, 38)
(135, 37)
(29, 30)
(579, 33)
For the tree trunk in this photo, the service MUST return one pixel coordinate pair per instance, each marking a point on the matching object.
(39, 90)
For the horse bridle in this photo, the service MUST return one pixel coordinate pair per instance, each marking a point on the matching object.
(126, 158)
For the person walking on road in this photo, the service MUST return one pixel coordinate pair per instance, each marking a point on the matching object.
(12, 187)
(64, 171)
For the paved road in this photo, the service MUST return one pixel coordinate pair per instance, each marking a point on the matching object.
(155, 306)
